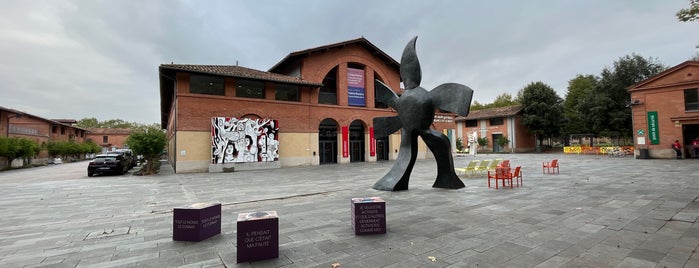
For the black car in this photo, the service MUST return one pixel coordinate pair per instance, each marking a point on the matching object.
(108, 163)
(128, 155)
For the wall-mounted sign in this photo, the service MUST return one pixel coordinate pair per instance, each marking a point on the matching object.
(653, 132)
(372, 142)
(345, 141)
(355, 87)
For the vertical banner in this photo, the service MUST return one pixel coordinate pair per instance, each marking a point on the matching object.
(345, 141)
(653, 132)
(372, 142)
(355, 87)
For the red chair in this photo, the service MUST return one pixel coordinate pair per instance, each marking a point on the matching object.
(550, 167)
(500, 173)
(504, 163)
(517, 176)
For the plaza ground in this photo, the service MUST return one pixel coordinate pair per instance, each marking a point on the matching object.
(598, 212)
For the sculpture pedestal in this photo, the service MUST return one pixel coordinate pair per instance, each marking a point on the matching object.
(368, 216)
(258, 236)
(196, 222)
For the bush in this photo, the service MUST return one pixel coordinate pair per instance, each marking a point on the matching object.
(149, 143)
(14, 148)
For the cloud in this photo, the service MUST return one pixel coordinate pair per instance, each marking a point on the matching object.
(77, 59)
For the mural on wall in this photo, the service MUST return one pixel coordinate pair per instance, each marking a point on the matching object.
(236, 140)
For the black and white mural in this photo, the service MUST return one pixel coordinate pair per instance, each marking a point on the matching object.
(236, 140)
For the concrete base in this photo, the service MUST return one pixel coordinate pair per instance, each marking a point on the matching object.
(230, 167)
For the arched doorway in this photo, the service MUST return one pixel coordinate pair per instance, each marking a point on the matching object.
(356, 141)
(327, 139)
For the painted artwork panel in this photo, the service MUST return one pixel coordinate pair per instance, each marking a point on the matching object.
(239, 140)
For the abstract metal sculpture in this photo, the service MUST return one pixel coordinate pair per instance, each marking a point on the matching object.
(416, 109)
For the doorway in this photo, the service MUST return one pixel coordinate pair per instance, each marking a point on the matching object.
(327, 139)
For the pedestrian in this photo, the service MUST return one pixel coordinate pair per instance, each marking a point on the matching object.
(678, 149)
(695, 146)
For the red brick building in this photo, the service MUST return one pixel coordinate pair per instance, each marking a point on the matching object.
(665, 108)
(321, 100)
(109, 138)
(495, 123)
(14, 123)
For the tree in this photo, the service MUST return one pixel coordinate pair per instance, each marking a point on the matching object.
(503, 141)
(149, 143)
(689, 14)
(502, 100)
(605, 109)
(15, 148)
(542, 110)
(578, 88)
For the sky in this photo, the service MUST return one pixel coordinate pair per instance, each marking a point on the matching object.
(75, 59)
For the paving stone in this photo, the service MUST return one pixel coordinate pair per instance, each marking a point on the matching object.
(637, 216)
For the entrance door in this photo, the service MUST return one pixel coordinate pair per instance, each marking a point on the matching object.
(327, 144)
(382, 149)
(356, 141)
(328, 152)
(496, 147)
(689, 133)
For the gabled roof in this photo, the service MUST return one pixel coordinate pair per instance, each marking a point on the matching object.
(52, 121)
(491, 113)
(292, 57)
(639, 85)
(237, 72)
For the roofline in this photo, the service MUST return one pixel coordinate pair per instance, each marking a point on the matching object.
(172, 68)
(360, 40)
(639, 85)
(39, 117)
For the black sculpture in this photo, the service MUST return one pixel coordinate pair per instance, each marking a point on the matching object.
(416, 108)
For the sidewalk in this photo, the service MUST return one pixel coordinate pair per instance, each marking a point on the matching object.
(598, 212)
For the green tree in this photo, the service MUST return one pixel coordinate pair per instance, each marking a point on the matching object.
(542, 110)
(578, 88)
(503, 141)
(88, 123)
(605, 109)
(482, 141)
(689, 14)
(504, 100)
(149, 143)
(15, 148)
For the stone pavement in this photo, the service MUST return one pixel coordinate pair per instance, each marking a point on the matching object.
(598, 212)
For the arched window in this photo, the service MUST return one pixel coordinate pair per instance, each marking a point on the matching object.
(328, 92)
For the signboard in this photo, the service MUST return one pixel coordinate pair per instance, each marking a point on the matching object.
(345, 141)
(372, 142)
(355, 87)
(653, 132)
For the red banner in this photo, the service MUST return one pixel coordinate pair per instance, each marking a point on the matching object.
(345, 141)
(372, 142)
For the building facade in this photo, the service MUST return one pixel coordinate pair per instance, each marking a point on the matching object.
(495, 123)
(314, 107)
(109, 138)
(14, 123)
(665, 108)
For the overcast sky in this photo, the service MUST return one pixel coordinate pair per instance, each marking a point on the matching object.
(80, 59)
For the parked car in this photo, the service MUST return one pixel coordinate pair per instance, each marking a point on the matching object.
(56, 161)
(128, 154)
(113, 163)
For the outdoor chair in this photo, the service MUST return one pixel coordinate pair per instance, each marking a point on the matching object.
(502, 174)
(517, 176)
(470, 169)
(494, 164)
(482, 167)
(504, 163)
(550, 167)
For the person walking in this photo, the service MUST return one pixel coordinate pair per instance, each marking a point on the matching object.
(678, 149)
(695, 146)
